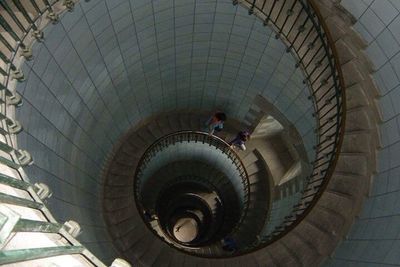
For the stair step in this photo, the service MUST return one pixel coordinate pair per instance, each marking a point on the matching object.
(116, 204)
(164, 257)
(356, 143)
(254, 179)
(127, 241)
(310, 232)
(117, 175)
(154, 129)
(123, 227)
(326, 221)
(173, 120)
(300, 250)
(340, 203)
(177, 259)
(137, 142)
(128, 160)
(253, 168)
(131, 149)
(114, 191)
(349, 184)
(192, 261)
(146, 137)
(184, 120)
(163, 125)
(117, 216)
(249, 159)
(352, 163)
(149, 256)
(357, 119)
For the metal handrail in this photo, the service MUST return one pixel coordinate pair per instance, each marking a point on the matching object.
(44, 9)
(329, 104)
(13, 40)
(194, 136)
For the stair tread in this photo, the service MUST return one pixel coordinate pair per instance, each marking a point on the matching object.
(163, 125)
(164, 257)
(154, 129)
(184, 120)
(177, 259)
(249, 159)
(154, 249)
(174, 123)
(139, 248)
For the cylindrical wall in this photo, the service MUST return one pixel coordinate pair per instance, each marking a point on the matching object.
(110, 64)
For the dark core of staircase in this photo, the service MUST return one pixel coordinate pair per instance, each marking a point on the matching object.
(206, 183)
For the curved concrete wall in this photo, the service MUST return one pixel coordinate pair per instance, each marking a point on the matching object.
(375, 237)
(109, 64)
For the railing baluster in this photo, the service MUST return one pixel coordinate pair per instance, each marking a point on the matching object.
(22, 9)
(36, 7)
(310, 46)
(314, 56)
(6, 43)
(9, 29)
(324, 94)
(299, 31)
(289, 13)
(9, 11)
(280, 11)
(251, 9)
(270, 12)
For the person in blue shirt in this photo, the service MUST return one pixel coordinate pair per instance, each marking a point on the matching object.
(215, 123)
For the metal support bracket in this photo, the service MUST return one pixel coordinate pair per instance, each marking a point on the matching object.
(18, 75)
(53, 17)
(14, 126)
(26, 52)
(38, 35)
(42, 190)
(69, 4)
(72, 227)
(118, 262)
(15, 99)
(24, 157)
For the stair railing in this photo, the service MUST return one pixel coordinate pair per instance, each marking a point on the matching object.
(301, 27)
(21, 24)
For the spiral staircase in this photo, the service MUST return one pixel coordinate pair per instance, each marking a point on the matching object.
(165, 173)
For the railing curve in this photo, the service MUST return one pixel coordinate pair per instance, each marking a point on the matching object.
(193, 136)
(301, 27)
